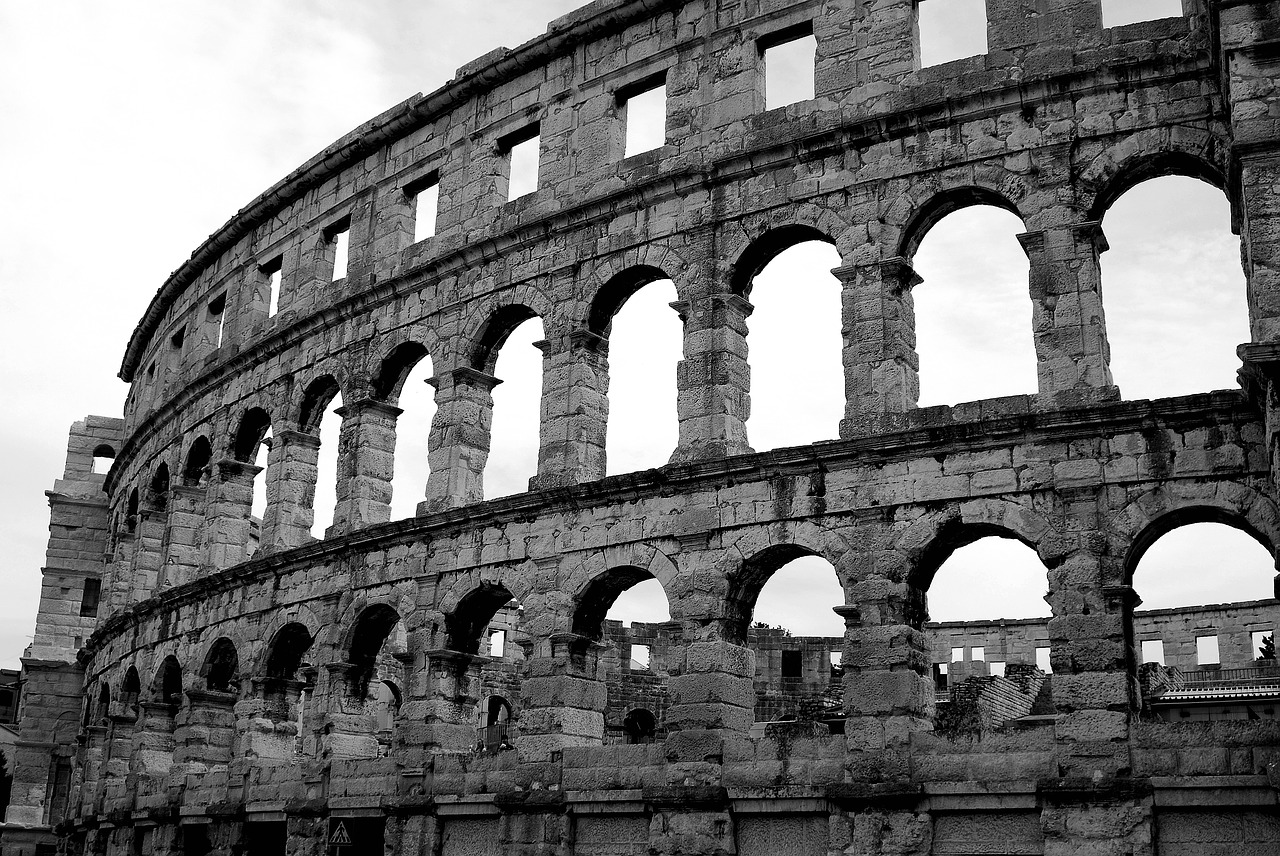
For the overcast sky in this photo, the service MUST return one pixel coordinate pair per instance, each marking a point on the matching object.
(134, 129)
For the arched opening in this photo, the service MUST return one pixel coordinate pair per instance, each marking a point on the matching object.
(222, 667)
(251, 445)
(466, 625)
(797, 381)
(386, 707)
(645, 341)
(1173, 288)
(607, 597)
(376, 640)
(405, 379)
(495, 733)
(508, 350)
(195, 473)
(320, 417)
(640, 726)
(131, 689)
(131, 512)
(288, 678)
(973, 313)
(781, 603)
(158, 489)
(103, 456)
(1203, 636)
(167, 687)
(976, 637)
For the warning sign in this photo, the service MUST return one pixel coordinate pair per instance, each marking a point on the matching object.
(340, 837)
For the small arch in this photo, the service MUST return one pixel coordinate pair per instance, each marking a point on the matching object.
(616, 292)
(496, 710)
(103, 708)
(938, 206)
(103, 455)
(370, 634)
(199, 458)
(315, 401)
(500, 325)
(286, 651)
(387, 701)
(167, 686)
(221, 668)
(102, 450)
(395, 369)
(252, 430)
(593, 603)
(131, 511)
(465, 625)
(640, 725)
(131, 688)
(158, 490)
(766, 248)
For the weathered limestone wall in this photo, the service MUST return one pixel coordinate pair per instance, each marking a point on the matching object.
(247, 672)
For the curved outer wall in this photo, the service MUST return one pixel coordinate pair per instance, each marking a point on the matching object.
(256, 733)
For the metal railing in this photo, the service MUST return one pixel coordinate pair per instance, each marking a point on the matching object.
(491, 738)
(1256, 677)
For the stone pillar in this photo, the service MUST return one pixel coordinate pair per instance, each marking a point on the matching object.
(1260, 234)
(575, 410)
(91, 768)
(186, 528)
(881, 367)
(148, 554)
(713, 381)
(204, 730)
(113, 792)
(887, 690)
(119, 575)
(449, 709)
(348, 728)
(1072, 355)
(366, 461)
(715, 687)
(1093, 689)
(153, 743)
(291, 490)
(562, 698)
(227, 524)
(269, 720)
(459, 443)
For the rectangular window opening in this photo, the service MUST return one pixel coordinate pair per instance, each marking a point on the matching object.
(1262, 641)
(522, 154)
(1207, 650)
(339, 235)
(177, 339)
(836, 658)
(977, 653)
(272, 270)
(424, 197)
(89, 598)
(1117, 13)
(644, 116)
(996, 668)
(1153, 651)
(1042, 661)
(792, 665)
(497, 643)
(951, 30)
(940, 678)
(789, 58)
(639, 658)
(218, 317)
(957, 655)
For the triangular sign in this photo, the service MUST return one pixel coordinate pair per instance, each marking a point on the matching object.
(340, 836)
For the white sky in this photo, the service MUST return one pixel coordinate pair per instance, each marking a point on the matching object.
(134, 129)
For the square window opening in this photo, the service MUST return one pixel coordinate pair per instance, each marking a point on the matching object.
(977, 653)
(177, 339)
(957, 655)
(1042, 661)
(792, 665)
(424, 197)
(1117, 13)
(1153, 651)
(522, 151)
(1207, 650)
(497, 643)
(639, 658)
(789, 58)
(950, 30)
(836, 658)
(339, 235)
(644, 116)
(273, 271)
(996, 668)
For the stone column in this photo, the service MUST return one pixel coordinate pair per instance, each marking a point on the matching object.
(1072, 355)
(91, 768)
(887, 690)
(148, 554)
(227, 524)
(267, 720)
(881, 367)
(459, 443)
(348, 730)
(575, 410)
(291, 490)
(366, 461)
(715, 688)
(204, 730)
(562, 698)
(186, 528)
(449, 709)
(112, 792)
(713, 381)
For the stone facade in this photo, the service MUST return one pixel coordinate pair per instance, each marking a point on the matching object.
(230, 698)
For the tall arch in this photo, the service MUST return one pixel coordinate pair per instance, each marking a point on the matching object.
(196, 469)
(369, 636)
(167, 686)
(942, 204)
(465, 624)
(768, 246)
(315, 401)
(221, 669)
(249, 433)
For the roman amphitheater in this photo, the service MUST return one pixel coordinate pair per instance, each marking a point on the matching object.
(224, 684)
